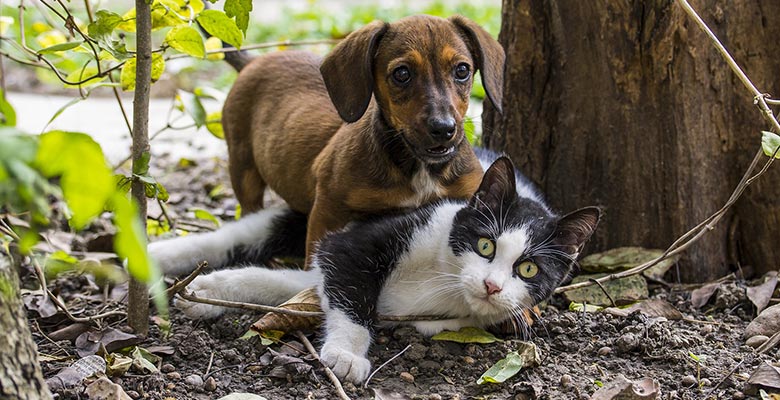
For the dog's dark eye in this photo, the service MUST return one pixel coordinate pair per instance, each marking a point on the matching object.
(401, 75)
(462, 72)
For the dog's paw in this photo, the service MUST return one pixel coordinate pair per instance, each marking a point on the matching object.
(345, 364)
(203, 286)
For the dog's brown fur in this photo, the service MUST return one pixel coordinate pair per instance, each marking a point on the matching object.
(285, 127)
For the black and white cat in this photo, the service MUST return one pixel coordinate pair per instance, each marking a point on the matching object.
(476, 262)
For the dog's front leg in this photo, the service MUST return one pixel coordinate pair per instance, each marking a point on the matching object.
(324, 218)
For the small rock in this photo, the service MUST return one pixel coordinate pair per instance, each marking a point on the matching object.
(407, 377)
(566, 381)
(605, 350)
(434, 396)
(194, 380)
(382, 340)
(757, 340)
(627, 342)
(705, 382)
(706, 330)
(738, 395)
(174, 376)
(166, 368)
(170, 386)
(766, 323)
(254, 368)
(469, 360)
(210, 385)
(688, 380)
(133, 394)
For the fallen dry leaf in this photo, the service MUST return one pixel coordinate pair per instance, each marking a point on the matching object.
(38, 302)
(652, 308)
(761, 294)
(385, 394)
(112, 339)
(700, 296)
(104, 389)
(306, 300)
(621, 388)
(765, 376)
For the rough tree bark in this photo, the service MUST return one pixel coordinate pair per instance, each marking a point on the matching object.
(628, 106)
(138, 294)
(20, 373)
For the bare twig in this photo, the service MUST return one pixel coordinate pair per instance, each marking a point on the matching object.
(248, 306)
(769, 344)
(92, 318)
(333, 378)
(603, 289)
(283, 43)
(211, 361)
(365, 385)
(180, 285)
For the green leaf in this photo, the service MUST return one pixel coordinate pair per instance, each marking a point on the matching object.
(239, 9)
(7, 110)
(205, 215)
(573, 306)
(186, 39)
(526, 355)
(503, 369)
(214, 124)
(467, 335)
(60, 47)
(102, 30)
(143, 360)
(218, 24)
(127, 75)
(192, 106)
(86, 180)
(770, 142)
(88, 74)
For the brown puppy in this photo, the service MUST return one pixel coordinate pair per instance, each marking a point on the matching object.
(377, 125)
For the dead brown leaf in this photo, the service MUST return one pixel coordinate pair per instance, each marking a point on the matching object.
(623, 389)
(700, 296)
(306, 300)
(652, 308)
(104, 389)
(761, 294)
(112, 339)
(765, 376)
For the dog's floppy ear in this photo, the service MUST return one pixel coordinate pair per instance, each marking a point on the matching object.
(348, 71)
(489, 56)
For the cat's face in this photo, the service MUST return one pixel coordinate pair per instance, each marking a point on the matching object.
(512, 251)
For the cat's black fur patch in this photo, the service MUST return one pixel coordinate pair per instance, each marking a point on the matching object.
(287, 238)
(356, 262)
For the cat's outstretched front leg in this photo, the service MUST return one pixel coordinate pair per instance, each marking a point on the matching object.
(346, 346)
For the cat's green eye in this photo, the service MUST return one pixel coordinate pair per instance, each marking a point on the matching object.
(527, 269)
(486, 247)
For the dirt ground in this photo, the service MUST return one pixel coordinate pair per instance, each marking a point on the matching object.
(581, 351)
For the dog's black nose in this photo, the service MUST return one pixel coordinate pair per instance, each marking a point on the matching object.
(441, 128)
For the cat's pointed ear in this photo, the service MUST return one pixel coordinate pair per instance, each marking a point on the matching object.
(574, 229)
(498, 185)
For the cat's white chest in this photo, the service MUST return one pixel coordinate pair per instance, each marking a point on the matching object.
(425, 187)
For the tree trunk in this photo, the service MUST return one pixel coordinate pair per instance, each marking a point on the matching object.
(627, 105)
(20, 373)
(138, 293)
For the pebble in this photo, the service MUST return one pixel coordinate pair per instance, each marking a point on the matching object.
(566, 381)
(407, 377)
(167, 368)
(757, 340)
(706, 382)
(133, 394)
(469, 360)
(170, 386)
(174, 376)
(688, 380)
(210, 385)
(605, 350)
(738, 396)
(434, 396)
(194, 380)
(766, 323)
(382, 340)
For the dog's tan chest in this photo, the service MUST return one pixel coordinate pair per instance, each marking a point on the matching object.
(424, 189)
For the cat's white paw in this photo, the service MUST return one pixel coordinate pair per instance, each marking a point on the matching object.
(202, 286)
(345, 364)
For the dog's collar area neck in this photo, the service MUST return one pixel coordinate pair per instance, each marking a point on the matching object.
(392, 143)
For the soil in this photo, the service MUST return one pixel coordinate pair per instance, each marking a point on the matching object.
(581, 351)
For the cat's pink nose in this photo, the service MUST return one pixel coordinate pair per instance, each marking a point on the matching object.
(491, 287)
